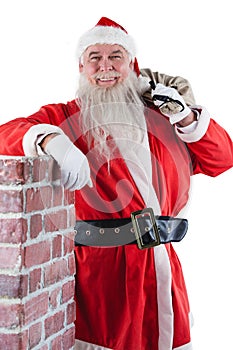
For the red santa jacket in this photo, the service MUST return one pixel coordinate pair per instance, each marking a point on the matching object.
(116, 291)
(175, 160)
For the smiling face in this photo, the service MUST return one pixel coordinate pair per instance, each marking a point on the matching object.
(105, 65)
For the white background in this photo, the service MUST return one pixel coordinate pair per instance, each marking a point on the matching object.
(188, 38)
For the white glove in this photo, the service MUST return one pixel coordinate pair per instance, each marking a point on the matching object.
(170, 102)
(75, 170)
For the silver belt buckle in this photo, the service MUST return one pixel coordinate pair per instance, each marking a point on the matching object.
(145, 228)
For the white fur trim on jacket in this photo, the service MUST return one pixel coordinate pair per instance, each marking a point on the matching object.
(200, 129)
(82, 345)
(185, 347)
(164, 297)
(35, 135)
(106, 35)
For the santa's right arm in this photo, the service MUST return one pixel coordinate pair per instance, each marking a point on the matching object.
(24, 136)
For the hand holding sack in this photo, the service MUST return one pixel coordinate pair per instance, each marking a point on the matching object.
(75, 170)
(170, 102)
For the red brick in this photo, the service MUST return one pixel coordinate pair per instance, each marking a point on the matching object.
(9, 286)
(39, 169)
(54, 323)
(23, 290)
(44, 347)
(72, 217)
(13, 286)
(57, 247)
(71, 264)
(10, 341)
(56, 343)
(10, 315)
(14, 171)
(68, 339)
(67, 291)
(68, 242)
(54, 172)
(55, 221)
(35, 225)
(13, 230)
(11, 201)
(71, 313)
(55, 272)
(9, 257)
(57, 195)
(23, 340)
(36, 307)
(54, 298)
(36, 254)
(38, 198)
(68, 197)
(35, 333)
(35, 280)
(14, 341)
(34, 316)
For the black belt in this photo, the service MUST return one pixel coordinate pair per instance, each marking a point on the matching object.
(143, 228)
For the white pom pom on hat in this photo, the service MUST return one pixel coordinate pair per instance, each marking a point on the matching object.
(107, 31)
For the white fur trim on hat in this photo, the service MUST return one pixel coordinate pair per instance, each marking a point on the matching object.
(106, 35)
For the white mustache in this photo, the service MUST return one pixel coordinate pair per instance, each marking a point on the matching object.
(106, 75)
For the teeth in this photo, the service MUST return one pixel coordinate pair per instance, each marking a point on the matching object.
(107, 79)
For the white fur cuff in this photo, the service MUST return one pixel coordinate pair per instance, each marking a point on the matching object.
(200, 129)
(34, 136)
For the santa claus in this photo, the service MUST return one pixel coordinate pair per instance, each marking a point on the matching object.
(127, 145)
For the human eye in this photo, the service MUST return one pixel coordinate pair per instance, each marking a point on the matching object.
(115, 57)
(94, 58)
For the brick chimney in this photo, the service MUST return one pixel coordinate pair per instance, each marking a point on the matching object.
(37, 265)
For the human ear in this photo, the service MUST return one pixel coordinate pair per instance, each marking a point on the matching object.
(80, 67)
(131, 65)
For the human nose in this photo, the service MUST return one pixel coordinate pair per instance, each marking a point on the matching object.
(105, 65)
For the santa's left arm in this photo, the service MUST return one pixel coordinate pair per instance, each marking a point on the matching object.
(209, 144)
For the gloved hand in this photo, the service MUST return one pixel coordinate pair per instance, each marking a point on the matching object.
(170, 102)
(75, 170)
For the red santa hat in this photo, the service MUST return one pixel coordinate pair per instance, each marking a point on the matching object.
(107, 31)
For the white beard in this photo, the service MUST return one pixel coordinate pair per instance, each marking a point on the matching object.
(111, 113)
(113, 118)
